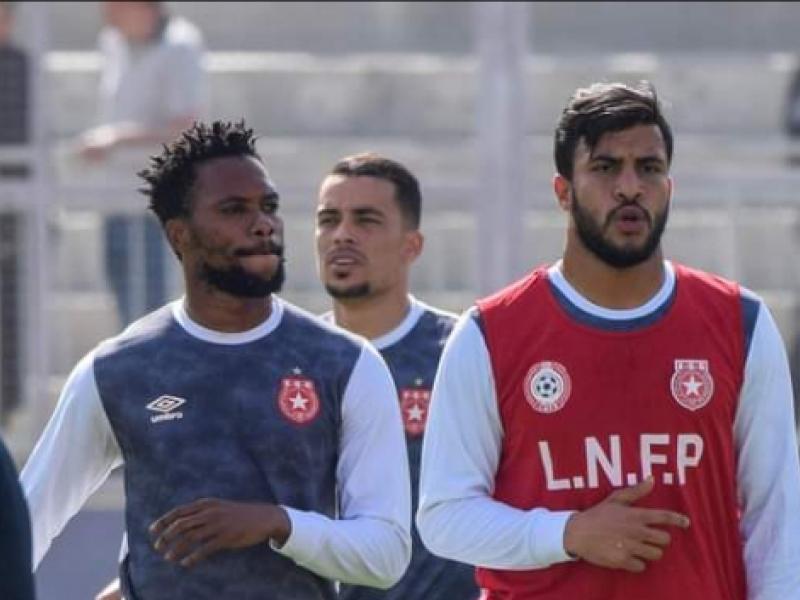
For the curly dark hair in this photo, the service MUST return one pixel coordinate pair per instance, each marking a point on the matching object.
(172, 173)
(604, 107)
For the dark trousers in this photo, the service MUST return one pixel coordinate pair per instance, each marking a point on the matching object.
(135, 297)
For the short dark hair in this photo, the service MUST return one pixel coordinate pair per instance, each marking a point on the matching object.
(604, 107)
(406, 186)
(172, 173)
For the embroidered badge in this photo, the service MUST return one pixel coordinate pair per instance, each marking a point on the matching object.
(297, 398)
(547, 387)
(691, 384)
(414, 406)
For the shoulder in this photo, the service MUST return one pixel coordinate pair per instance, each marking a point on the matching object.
(716, 295)
(321, 331)
(514, 293)
(108, 36)
(180, 32)
(705, 282)
(438, 319)
(149, 329)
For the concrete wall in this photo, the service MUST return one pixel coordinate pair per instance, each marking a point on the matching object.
(446, 27)
(435, 96)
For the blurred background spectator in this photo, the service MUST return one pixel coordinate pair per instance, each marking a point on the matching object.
(792, 114)
(16, 579)
(152, 86)
(14, 132)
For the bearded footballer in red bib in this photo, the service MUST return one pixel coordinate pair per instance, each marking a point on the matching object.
(615, 426)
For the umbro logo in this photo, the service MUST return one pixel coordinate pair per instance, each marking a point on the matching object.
(165, 406)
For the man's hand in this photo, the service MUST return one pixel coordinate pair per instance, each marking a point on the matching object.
(192, 532)
(616, 535)
(96, 144)
(110, 592)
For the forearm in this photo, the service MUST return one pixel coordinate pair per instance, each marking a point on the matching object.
(482, 532)
(361, 550)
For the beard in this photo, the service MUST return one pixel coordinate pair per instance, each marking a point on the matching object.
(592, 236)
(362, 290)
(238, 282)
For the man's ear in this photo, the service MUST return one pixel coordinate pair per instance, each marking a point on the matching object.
(671, 183)
(177, 231)
(414, 243)
(563, 190)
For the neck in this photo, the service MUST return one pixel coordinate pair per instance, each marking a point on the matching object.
(611, 287)
(373, 316)
(222, 312)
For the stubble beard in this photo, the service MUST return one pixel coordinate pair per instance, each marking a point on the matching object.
(353, 292)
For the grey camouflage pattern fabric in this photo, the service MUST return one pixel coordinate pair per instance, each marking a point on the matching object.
(231, 441)
(413, 361)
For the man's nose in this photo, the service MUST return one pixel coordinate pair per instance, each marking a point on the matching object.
(343, 233)
(628, 185)
(264, 224)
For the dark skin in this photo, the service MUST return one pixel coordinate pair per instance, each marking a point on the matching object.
(234, 209)
(191, 533)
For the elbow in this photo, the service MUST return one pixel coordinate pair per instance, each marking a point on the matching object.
(429, 526)
(394, 569)
(383, 561)
(386, 580)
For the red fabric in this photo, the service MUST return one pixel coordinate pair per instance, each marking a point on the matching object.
(621, 396)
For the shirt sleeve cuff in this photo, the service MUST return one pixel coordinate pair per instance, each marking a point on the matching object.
(548, 536)
(300, 543)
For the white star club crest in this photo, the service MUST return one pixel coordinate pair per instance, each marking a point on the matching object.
(298, 398)
(547, 386)
(414, 406)
(691, 384)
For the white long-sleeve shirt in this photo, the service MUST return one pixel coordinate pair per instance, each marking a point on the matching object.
(368, 544)
(459, 519)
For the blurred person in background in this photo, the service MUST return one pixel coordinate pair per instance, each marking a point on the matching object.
(254, 436)
(14, 131)
(615, 425)
(16, 577)
(153, 85)
(368, 237)
(791, 115)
